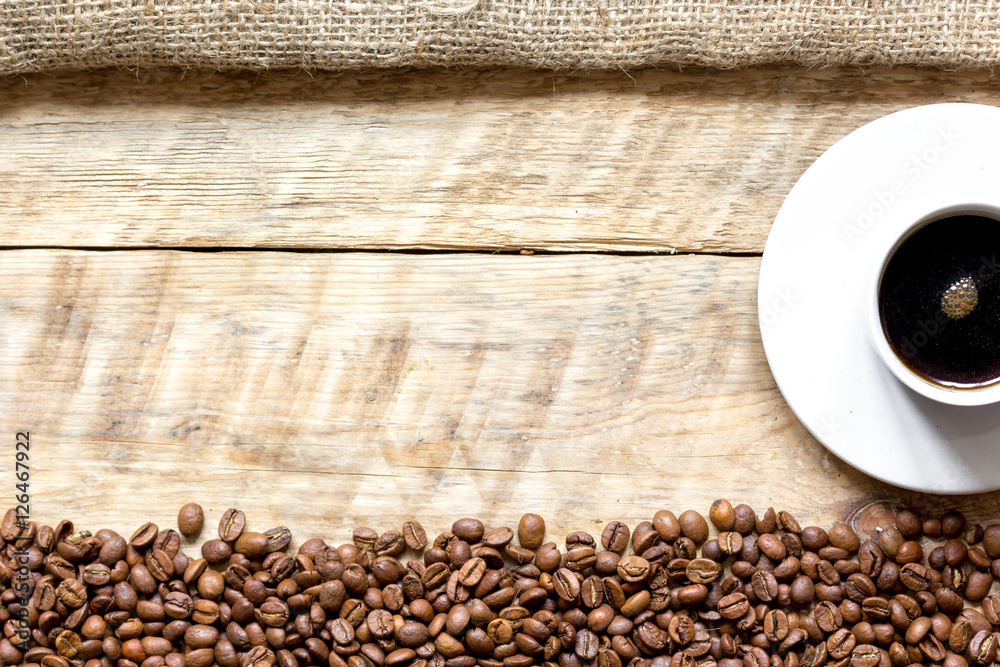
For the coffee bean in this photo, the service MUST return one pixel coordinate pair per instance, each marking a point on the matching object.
(772, 547)
(730, 543)
(615, 536)
(470, 530)
(580, 558)
(802, 591)
(702, 571)
(566, 584)
(258, 656)
(843, 537)
(215, 552)
(693, 526)
(144, 535)
(72, 592)
(733, 606)
(414, 535)
(277, 538)
(915, 577)
(991, 540)
(191, 519)
(932, 648)
(587, 644)
(909, 552)
(908, 523)
(865, 655)
(743, 518)
(722, 515)
(952, 524)
(472, 572)
(666, 526)
(531, 531)
(633, 568)
(828, 617)
(392, 543)
(875, 609)
(978, 585)
(982, 648)
(764, 585)
(498, 538)
(251, 544)
(231, 525)
(636, 603)
(592, 592)
(160, 565)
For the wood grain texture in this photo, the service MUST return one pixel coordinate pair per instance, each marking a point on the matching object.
(324, 391)
(656, 161)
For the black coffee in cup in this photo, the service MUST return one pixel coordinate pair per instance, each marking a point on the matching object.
(939, 301)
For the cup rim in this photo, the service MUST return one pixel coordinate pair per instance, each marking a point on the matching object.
(969, 396)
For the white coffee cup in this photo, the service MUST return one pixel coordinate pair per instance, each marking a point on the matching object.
(977, 395)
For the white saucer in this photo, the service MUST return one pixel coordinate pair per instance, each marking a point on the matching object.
(858, 196)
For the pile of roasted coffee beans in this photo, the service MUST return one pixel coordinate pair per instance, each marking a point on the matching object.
(764, 592)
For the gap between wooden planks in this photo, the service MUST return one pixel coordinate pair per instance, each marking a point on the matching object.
(653, 162)
(324, 391)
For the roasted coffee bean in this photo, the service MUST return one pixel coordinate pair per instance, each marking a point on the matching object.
(414, 535)
(764, 586)
(730, 543)
(952, 524)
(932, 648)
(733, 606)
(693, 526)
(843, 537)
(231, 525)
(216, 552)
(875, 609)
(615, 536)
(744, 519)
(702, 571)
(788, 523)
(866, 655)
(772, 547)
(982, 649)
(776, 625)
(470, 530)
(144, 535)
(566, 584)
(191, 519)
(991, 540)
(580, 558)
(722, 515)
(531, 531)
(364, 537)
(978, 585)
(277, 538)
(909, 552)
(392, 543)
(666, 526)
(918, 629)
(915, 577)
(633, 568)
(871, 559)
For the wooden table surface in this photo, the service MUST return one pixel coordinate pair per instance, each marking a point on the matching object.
(314, 296)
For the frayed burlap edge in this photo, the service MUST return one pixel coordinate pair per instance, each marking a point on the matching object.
(40, 35)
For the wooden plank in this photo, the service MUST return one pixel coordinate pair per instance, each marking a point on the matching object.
(655, 161)
(324, 391)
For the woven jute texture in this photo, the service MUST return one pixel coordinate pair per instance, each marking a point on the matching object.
(38, 35)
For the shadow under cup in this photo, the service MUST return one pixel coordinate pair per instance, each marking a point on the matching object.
(936, 319)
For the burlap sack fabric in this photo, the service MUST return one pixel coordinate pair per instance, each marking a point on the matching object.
(561, 34)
